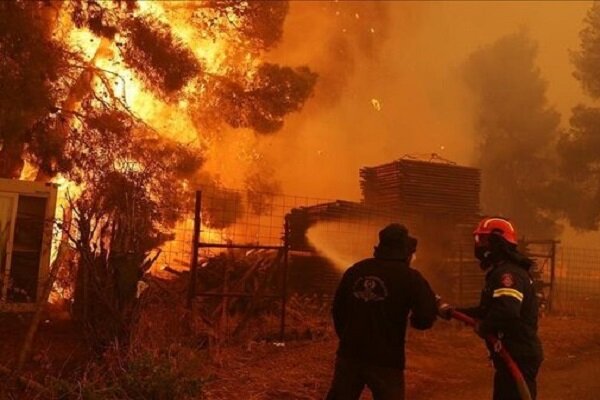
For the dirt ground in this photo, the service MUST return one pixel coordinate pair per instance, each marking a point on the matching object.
(449, 362)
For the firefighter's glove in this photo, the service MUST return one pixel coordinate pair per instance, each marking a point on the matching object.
(444, 310)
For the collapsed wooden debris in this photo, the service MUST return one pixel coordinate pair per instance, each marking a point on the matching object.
(236, 287)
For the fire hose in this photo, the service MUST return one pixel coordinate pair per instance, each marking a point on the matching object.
(502, 352)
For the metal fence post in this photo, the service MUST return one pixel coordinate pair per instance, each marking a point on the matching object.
(286, 245)
(461, 277)
(195, 247)
(552, 274)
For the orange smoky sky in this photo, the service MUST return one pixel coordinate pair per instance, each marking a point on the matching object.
(390, 82)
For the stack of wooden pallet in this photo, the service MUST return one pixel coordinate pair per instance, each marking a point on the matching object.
(438, 202)
(410, 186)
(442, 202)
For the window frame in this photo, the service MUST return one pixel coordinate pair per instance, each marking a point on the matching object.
(15, 189)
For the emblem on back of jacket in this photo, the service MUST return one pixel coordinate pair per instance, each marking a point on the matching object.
(369, 288)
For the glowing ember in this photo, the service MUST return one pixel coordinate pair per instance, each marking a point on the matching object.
(376, 104)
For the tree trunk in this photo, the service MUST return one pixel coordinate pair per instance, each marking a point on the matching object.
(11, 160)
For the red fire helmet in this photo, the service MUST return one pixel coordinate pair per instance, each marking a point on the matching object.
(496, 225)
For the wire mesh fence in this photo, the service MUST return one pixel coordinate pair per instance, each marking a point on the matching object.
(577, 286)
(230, 217)
(324, 238)
(235, 217)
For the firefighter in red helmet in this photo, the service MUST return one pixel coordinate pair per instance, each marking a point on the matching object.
(508, 306)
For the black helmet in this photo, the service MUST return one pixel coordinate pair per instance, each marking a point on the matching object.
(395, 243)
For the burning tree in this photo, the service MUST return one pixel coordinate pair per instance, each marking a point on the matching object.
(132, 196)
(34, 76)
(202, 57)
(104, 95)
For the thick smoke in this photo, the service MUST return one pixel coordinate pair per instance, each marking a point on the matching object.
(577, 193)
(339, 41)
(354, 34)
(579, 148)
(517, 130)
(586, 60)
(344, 43)
(416, 72)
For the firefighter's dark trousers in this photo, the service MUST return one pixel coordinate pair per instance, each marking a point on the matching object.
(352, 376)
(505, 387)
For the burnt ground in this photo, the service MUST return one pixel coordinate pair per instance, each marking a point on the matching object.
(449, 362)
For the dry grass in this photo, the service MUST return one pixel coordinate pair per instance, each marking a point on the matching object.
(172, 353)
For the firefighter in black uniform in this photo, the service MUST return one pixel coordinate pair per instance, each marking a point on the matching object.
(508, 307)
(370, 313)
